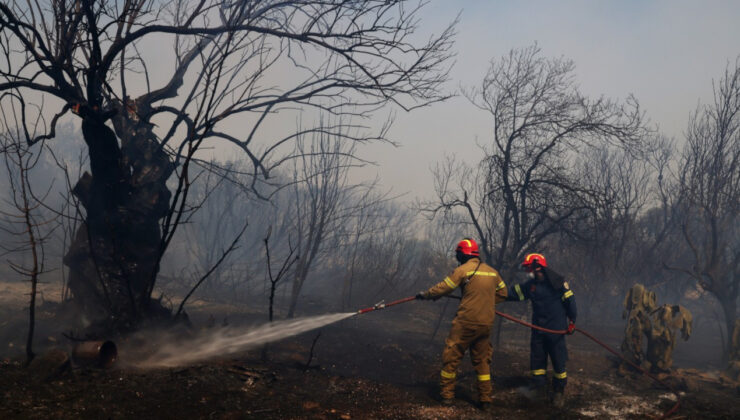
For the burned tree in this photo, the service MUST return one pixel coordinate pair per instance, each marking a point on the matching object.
(604, 241)
(322, 201)
(288, 261)
(24, 217)
(236, 65)
(379, 252)
(223, 206)
(709, 201)
(525, 189)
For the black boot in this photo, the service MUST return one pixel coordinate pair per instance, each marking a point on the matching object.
(558, 399)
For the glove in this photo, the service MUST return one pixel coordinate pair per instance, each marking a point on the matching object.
(571, 327)
(421, 296)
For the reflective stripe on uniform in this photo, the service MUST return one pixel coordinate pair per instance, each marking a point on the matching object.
(501, 285)
(484, 378)
(481, 273)
(518, 291)
(448, 375)
(450, 283)
(560, 375)
(538, 372)
(567, 294)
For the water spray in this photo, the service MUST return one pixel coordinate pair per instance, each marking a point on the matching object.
(171, 351)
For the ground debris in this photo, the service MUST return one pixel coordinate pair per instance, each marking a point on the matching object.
(50, 365)
(311, 405)
(351, 384)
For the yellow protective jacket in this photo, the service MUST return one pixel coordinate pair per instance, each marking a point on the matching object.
(482, 287)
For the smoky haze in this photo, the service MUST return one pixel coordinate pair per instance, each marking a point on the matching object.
(664, 52)
(618, 157)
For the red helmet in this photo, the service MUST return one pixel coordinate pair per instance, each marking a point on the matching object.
(468, 247)
(538, 259)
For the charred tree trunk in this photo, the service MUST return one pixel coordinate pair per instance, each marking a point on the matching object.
(113, 259)
(34, 274)
(298, 280)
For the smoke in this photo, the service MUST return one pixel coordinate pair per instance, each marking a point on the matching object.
(172, 352)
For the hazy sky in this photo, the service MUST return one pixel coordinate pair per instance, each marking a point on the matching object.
(666, 53)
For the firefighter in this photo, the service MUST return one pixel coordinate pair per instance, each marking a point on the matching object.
(554, 308)
(481, 287)
(638, 305)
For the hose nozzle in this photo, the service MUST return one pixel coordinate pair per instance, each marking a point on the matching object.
(383, 305)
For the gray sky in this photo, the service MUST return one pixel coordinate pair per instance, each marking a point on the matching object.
(665, 52)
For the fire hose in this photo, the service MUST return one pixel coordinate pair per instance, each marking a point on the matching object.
(383, 305)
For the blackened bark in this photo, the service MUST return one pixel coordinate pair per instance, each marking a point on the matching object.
(114, 257)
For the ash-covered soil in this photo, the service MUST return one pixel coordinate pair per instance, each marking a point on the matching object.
(382, 365)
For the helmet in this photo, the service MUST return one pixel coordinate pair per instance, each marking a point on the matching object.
(531, 259)
(468, 247)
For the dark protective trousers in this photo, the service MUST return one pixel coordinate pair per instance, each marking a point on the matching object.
(542, 345)
(464, 336)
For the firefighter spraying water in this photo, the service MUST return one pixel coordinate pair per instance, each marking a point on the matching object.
(482, 288)
(554, 316)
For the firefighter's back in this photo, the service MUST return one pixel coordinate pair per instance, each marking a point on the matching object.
(478, 293)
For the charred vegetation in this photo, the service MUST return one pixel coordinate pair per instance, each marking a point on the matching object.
(206, 240)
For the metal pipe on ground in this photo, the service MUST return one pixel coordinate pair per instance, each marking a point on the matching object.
(102, 354)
